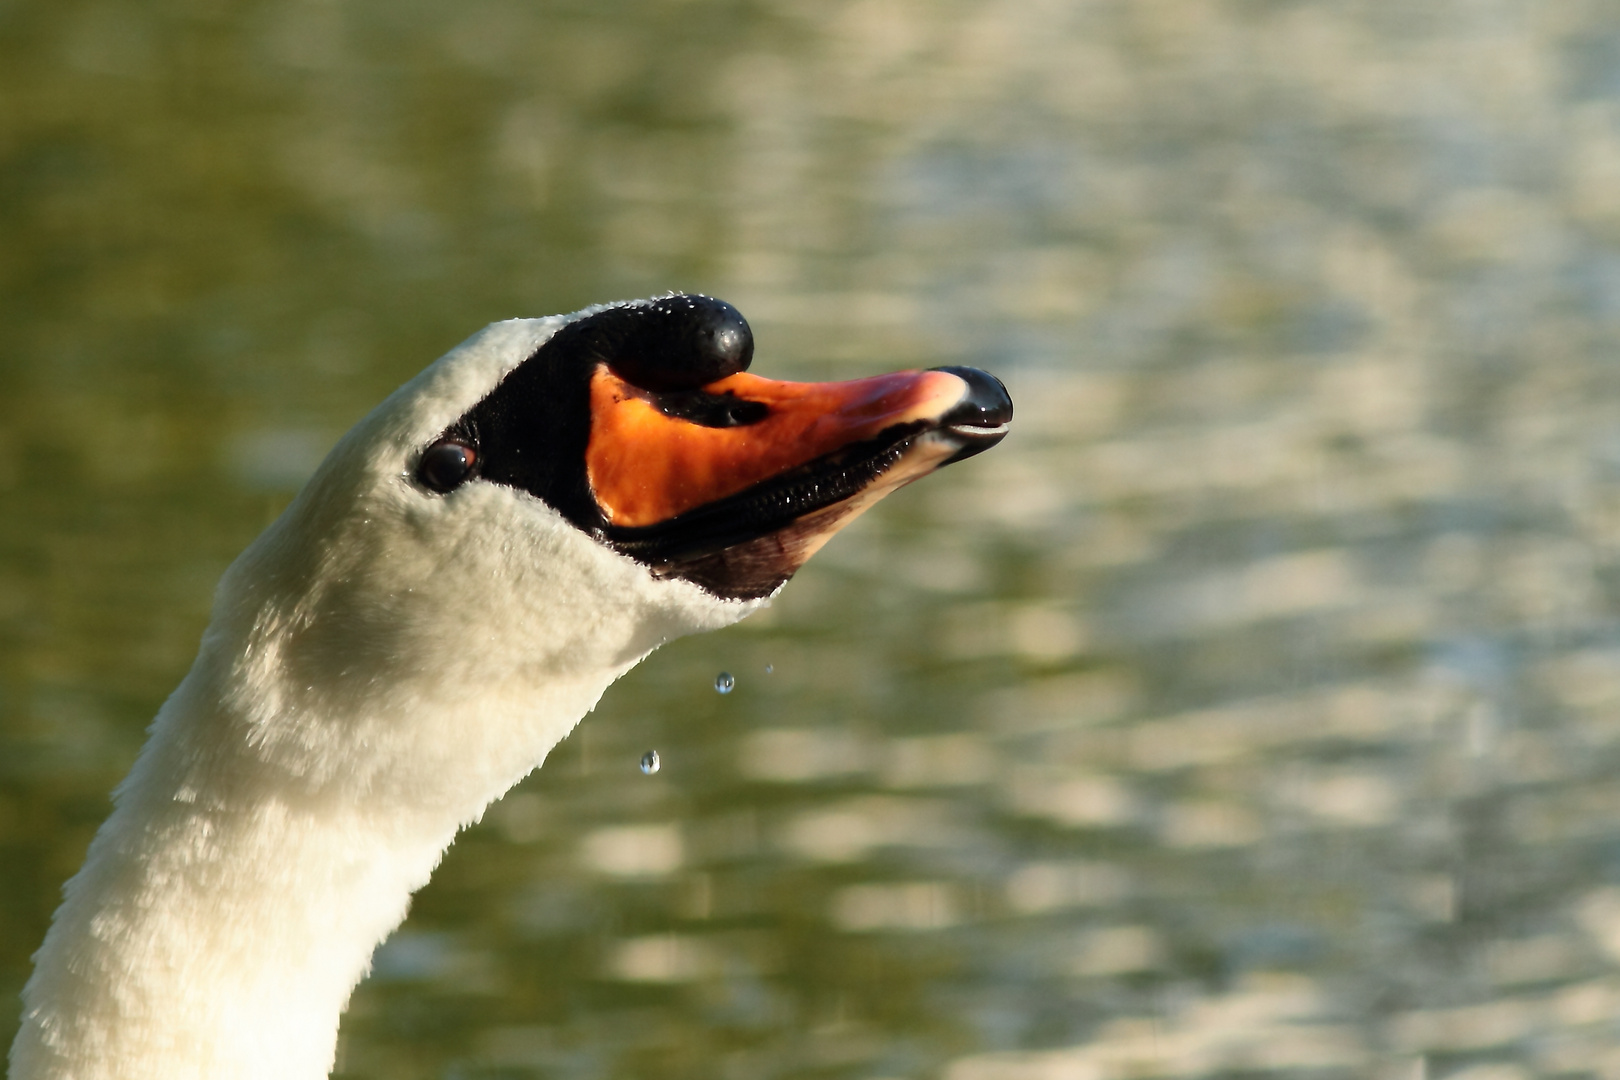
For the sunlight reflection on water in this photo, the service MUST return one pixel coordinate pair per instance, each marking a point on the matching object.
(1250, 709)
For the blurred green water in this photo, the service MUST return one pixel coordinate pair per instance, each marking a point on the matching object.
(1251, 710)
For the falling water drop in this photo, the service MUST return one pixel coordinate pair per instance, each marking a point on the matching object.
(723, 683)
(649, 762)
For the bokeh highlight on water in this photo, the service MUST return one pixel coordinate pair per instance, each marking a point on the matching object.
(1254, 709)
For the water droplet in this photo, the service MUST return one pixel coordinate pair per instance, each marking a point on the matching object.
(649, 762)
(723, 683)
(769, 668)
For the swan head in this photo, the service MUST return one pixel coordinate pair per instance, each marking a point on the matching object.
(551, 500)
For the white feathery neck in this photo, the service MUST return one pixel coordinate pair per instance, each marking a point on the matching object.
(379, 667)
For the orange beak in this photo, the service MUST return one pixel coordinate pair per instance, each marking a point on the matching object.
(647, 466)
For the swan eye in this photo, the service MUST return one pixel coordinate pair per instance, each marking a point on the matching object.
(445, 465)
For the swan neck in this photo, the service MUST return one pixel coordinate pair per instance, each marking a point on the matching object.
(231, 902)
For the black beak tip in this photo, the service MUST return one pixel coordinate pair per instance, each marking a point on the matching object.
(980, 419)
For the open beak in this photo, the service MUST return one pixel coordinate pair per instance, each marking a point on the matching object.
(693, 473)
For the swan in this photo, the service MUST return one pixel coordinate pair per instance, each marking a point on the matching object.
(452, 590)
